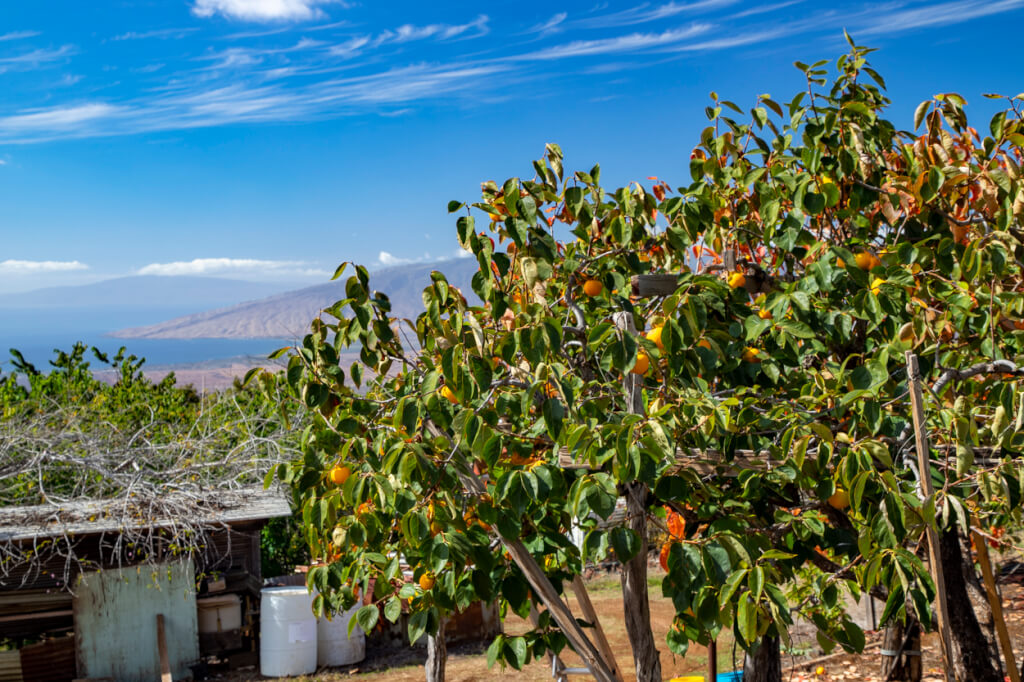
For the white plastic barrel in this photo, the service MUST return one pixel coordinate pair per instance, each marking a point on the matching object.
(334, 646)
(287, 632)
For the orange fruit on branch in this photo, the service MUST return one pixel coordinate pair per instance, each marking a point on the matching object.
(751, 354)
(867, 260)
(592, 288)
(737, 280)
(654, 336)
(643, 363)
(840, 499)
(427, 581)
(339, 474)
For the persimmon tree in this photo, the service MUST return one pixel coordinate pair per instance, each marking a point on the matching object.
(767, 428)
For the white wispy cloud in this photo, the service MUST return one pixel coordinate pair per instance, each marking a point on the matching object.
(36, 58)
(934, 14)
(56, 119)
(408, 32)
(232, 266)
(161, 33)
(644, 13)
(18, 35)
(350, 48)
(552, 25)
(387, 260)
(263, 10)
(633, 42)
(27, 267)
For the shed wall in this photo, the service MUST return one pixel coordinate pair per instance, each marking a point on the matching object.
(115, 621)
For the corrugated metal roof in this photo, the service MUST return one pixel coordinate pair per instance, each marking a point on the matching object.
(10, 666)
(86, 517)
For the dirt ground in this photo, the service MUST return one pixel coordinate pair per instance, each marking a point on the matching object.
(468, 662)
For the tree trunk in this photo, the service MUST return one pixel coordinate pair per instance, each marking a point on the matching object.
(907, 667)
(634, 590)
(437, 655)
(978, 599)
(765, 664)
(972, 659)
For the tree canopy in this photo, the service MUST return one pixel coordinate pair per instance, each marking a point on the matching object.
(814, 243)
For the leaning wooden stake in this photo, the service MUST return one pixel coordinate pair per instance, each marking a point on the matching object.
(161, 646)
(981, 549)
(927, 491)
(587, 607)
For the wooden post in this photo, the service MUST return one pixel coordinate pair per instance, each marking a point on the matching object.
(927, 491)
(712, 660)
(981, 548)
(161, 645)
(901, 652)
(636, 607)
(587, 607)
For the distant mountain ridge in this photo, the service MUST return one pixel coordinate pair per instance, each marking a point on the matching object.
(288, 315)
(146, 291)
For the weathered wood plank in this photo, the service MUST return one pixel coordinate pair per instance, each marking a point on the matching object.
(648, 286)
(927, 491)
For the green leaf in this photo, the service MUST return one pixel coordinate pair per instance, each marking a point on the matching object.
(494, 650)
(393, 609)
(515, 652)
(625, 542)
(418, 622)
(554, 413)
(746, 619)
(366, 617)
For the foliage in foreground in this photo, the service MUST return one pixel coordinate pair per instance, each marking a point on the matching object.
(854, 241)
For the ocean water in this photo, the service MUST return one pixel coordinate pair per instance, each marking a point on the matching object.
(37, 332)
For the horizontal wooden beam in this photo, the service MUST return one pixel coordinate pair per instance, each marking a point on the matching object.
(649, 286)
(701, 461)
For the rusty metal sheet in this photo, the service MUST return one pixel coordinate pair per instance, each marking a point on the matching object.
(49, 661)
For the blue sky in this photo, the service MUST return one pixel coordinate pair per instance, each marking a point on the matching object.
(271, 139)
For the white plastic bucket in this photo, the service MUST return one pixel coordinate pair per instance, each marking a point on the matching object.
(334, 646)
(287, 632)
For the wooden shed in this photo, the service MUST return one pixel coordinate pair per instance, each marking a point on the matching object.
(48, 551)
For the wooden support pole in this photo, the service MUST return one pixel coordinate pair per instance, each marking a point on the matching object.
(927, 492)
(712, 660)
(161, 645)
(996, 604)
(636, 605)
(590, 614)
